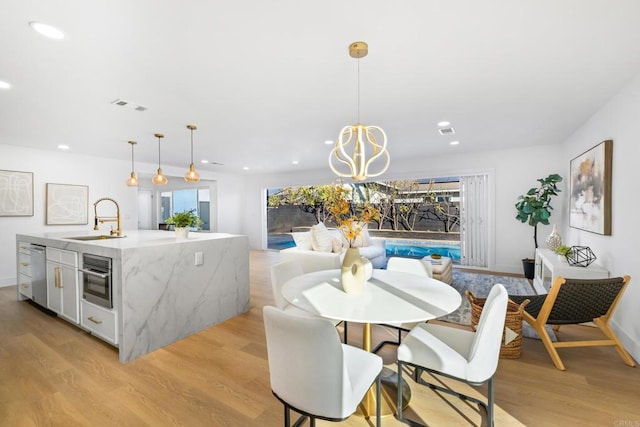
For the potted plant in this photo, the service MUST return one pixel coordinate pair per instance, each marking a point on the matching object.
(563, 252)
(183, 221)
(534, 208)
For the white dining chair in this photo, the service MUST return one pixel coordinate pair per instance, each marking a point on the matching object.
(467, 356)
(281, 273)
(312, 372)
(413, 266)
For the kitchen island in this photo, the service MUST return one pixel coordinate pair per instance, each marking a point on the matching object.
(163, 289)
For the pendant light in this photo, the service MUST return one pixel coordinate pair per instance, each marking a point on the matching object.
(133, 179)
(159, 179)
(360, 139)
(192, 175)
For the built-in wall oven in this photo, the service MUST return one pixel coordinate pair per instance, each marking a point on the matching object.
(96, 280)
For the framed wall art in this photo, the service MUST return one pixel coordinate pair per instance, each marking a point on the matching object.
(590, 198)
(16, 193)
(67, 204)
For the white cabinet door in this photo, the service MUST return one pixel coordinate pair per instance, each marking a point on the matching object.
(54, 292)
(62, 283)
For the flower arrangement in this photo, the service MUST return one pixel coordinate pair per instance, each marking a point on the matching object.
(185, 219)
(351, 219)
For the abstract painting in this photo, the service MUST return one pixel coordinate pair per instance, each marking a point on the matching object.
(67, 204)
(16, 193)
(590, 199)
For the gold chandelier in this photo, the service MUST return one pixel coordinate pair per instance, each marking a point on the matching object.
(192, 175)
(359, 146)
(159, 178)
(133, 179)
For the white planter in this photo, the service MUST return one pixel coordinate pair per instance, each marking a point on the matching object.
(182, 232)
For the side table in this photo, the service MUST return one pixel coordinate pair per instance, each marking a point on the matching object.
(548, 267)
(442, 268)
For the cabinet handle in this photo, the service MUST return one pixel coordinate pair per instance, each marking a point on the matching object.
(24, 264)
(58, 273)
(97, 322)
(24, 285)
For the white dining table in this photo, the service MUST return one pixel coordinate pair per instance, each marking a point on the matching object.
(388, 297)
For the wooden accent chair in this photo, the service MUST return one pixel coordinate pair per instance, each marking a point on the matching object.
(573, 301)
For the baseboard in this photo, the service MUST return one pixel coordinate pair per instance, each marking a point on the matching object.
(630, 343)
(8, 281)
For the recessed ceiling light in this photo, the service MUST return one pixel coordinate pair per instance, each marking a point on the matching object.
(454, 143)
(245, 168)
(4, 85)
(443, 123)
(47, 30)
(328, 142)
(295, 162)
(63, 147)
(204, 161)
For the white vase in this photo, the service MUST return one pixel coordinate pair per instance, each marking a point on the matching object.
(353, 272)
(182, 232)
(554, 240)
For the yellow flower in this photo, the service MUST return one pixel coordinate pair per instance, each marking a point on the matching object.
(351, 219)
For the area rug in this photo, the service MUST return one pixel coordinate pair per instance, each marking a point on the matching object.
(480, 285)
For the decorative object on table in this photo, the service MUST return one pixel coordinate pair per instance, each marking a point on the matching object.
(590, 192)
(352, 220)
(554, 239)
(563, 252)
(580, 256)
(360, 139)
(67, 204)
(511, 347)
(16, 193)
(534, 208)
(183, 221)
(192, 174)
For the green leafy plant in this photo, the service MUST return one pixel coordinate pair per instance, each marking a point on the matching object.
(185, 219)
(534, 207)
(564, 250)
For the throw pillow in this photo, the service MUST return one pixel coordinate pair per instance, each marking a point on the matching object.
(337, 245)
(321, 239)
(302, 240)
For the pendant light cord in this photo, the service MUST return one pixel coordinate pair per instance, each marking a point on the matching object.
(358, 89)
(158, 152)
(191, 146)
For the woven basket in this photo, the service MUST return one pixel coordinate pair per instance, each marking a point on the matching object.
(513, 321)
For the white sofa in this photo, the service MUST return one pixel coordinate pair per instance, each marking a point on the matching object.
(311, 260)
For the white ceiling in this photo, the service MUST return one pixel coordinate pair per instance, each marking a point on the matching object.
(267, 82)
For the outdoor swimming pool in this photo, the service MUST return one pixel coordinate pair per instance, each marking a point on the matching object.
(422, 248)
(395, 247)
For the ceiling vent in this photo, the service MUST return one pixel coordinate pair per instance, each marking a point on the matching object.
(446, 131)
(123, 103)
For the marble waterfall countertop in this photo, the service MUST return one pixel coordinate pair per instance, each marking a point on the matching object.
(160, 294)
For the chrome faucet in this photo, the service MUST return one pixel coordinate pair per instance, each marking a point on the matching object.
(102, 220)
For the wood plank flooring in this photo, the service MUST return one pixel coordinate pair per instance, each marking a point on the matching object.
(54, 374)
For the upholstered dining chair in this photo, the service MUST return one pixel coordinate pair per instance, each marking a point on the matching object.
(281, 273)
(313, 373)
(411, 266)
(573, 301)
(460, 354)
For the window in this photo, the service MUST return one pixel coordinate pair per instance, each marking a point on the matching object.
(186, 200)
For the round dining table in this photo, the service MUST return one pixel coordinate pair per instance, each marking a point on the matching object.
(388, 297)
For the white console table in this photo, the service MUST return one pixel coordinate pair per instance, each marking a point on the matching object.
(548, 267)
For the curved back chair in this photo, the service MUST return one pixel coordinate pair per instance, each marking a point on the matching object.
(281, 273)
(313, 373)
(573, 301)
(470, 357)
(411, 266)
(414, 266)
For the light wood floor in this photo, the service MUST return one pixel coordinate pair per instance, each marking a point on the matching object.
(54, 374)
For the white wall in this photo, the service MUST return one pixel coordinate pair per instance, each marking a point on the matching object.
(617, 120)
(105, 178)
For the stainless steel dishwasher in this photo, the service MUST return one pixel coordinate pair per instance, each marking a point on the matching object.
(38, 275)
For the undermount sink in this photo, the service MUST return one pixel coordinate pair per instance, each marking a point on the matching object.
(96, 237)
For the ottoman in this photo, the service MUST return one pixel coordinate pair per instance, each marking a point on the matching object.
(442, 268)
